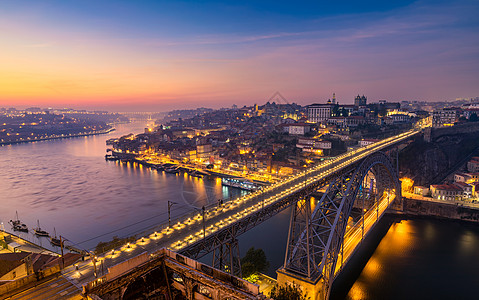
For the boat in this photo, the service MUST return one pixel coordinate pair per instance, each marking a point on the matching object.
(111, 157)
(17, 224)
(39, 231)
(172, 170)
(194, 173)
(54, 240)
(240, 183)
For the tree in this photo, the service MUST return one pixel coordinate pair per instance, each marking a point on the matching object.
(287, 292)
(254, 262)
(473, 117)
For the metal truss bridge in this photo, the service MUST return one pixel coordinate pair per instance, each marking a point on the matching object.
(362, 185)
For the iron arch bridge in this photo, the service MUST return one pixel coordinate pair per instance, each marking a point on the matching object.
(321, 240)
(357, 194)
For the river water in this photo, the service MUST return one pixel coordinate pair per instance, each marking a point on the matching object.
(68, 185)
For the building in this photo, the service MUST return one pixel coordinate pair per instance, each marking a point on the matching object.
(204, 152)
(421, 190)
(466, 189)
(474, 176)
(14, 266)
(360, 101)
(473, 164)
(475, 189)
(365, 142)
(444, 117)
(313, 146)
(400, 118)
(353, 121)
(449, 192)
(299, 128)
(461, 177)
(339, 121)
(319, 112)
(468, 112)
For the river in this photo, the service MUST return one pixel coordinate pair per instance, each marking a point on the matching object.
(68, 186)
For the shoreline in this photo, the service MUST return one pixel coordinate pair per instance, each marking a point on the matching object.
(59, 137)
(184, 168)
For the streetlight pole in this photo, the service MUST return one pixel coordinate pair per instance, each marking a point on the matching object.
(204, 224)
(61, 247)
(170, 204)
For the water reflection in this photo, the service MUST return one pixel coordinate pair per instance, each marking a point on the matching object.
(419, 259)
(67, 184)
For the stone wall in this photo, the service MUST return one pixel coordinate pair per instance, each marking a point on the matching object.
(431, 134)
(441, 210)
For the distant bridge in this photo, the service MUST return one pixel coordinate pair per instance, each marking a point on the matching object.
(142, 115)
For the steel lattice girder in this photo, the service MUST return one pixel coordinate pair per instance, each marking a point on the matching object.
(226, 234)
(227, 258)
(328, 222)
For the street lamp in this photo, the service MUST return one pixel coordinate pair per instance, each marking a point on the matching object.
(204, 220)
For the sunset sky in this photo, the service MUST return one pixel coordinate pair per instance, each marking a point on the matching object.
(159, 55)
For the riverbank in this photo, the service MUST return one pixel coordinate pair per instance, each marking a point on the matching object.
(56, 137)
(415, 207)
(190, 169)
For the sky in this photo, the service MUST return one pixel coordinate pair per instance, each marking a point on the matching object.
(160, 55)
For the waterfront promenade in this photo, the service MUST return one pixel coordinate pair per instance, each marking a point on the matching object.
(57, 136)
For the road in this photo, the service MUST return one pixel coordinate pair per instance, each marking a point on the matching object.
(355, 234)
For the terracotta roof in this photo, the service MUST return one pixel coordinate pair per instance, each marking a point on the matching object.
(462, 184)
(446, 187)
(299, 124)
(9, 261)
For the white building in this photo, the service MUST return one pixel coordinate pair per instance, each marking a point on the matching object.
(319, 112)
(298, 128)
(366, 142)
(444, 117)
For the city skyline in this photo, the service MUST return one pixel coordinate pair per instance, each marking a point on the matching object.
(167, 55)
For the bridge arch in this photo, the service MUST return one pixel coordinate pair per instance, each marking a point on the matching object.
(316, 239)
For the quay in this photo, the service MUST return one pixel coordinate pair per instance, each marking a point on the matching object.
(417, 206)
(117, 156)
(56, 137)
(15, 243)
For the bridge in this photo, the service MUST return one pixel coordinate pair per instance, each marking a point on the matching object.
(142, 115)
(362, 185)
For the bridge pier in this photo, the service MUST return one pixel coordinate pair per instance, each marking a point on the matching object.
(314, 289)
(227, 258)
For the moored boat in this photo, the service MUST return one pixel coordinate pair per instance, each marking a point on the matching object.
(54, 240)
(17, 224)
(241, 183)
(38, 231)
(172, 170)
